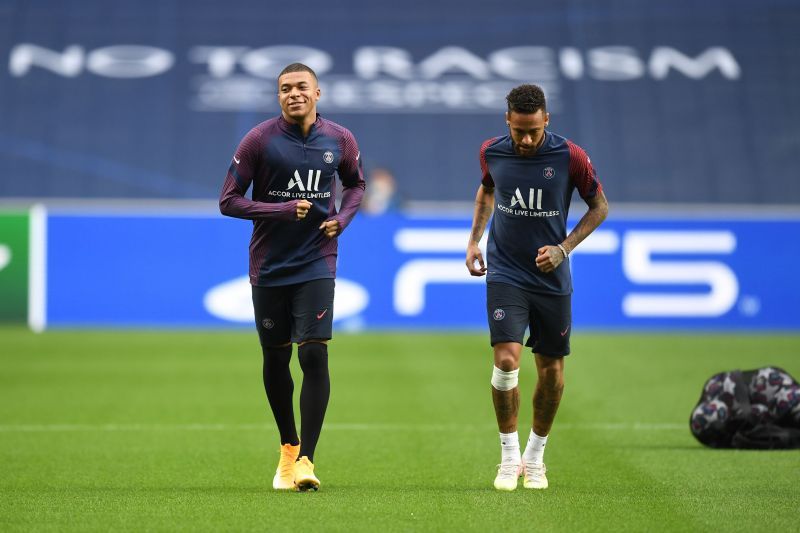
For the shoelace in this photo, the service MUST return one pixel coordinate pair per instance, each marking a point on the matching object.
(508, 469)
(534, 469)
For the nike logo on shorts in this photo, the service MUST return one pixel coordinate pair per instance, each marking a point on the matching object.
(321, 314)
(565, 331)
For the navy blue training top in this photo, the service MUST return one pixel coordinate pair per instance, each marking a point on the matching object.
(532, 196)
(284, 167)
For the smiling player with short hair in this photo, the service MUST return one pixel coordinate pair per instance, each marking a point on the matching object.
(292, 162)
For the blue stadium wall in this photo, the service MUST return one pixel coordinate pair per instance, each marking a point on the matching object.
(675, 101)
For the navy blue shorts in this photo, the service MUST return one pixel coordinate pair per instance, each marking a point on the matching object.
(512, 310)
(294, 313)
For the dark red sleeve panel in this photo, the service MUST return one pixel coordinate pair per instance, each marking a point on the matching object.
(232, 200)
(350, 171)
(486, 177)
(582, 173)
(352, 176)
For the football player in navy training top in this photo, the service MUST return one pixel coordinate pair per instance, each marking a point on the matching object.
(291, 161)
(528, 176)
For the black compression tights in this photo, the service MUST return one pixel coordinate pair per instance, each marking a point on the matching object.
(314, 395)
(279, 387)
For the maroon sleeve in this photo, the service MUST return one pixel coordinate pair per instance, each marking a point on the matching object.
(232, 200)
(352, 176)
(486, 177)
(581, 172)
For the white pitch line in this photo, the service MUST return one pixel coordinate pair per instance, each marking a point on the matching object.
(602, 426)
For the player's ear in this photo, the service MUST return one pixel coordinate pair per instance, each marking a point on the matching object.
(546, 119)
(508, 118)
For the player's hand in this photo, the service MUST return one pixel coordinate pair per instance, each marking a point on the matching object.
(473, 255)
(330, 228)
(549, 258)
(302, 208)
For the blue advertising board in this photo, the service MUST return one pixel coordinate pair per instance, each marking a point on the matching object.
(398, 271)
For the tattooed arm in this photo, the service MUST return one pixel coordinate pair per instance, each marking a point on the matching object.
(484, 206)
(597, 213)
(584, 178)
(550, 257)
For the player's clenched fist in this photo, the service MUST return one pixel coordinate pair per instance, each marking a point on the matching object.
(548, 258)
(302, 209)
(330, 228)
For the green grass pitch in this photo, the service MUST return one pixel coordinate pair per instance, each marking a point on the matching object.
(167, 431)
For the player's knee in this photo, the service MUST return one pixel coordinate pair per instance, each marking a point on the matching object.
(556, 388)
(504, 381)
(552, 379)
(506, 359)
(277, 356)
(313, 357)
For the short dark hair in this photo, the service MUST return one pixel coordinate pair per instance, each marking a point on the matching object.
(527, 98)
(298, 67)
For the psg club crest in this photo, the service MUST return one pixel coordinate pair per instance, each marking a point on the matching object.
(549, 172)
(268, 323)
(328, 157)
(499, 314)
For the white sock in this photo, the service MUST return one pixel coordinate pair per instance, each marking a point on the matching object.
(534, 451)
(509, 443)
